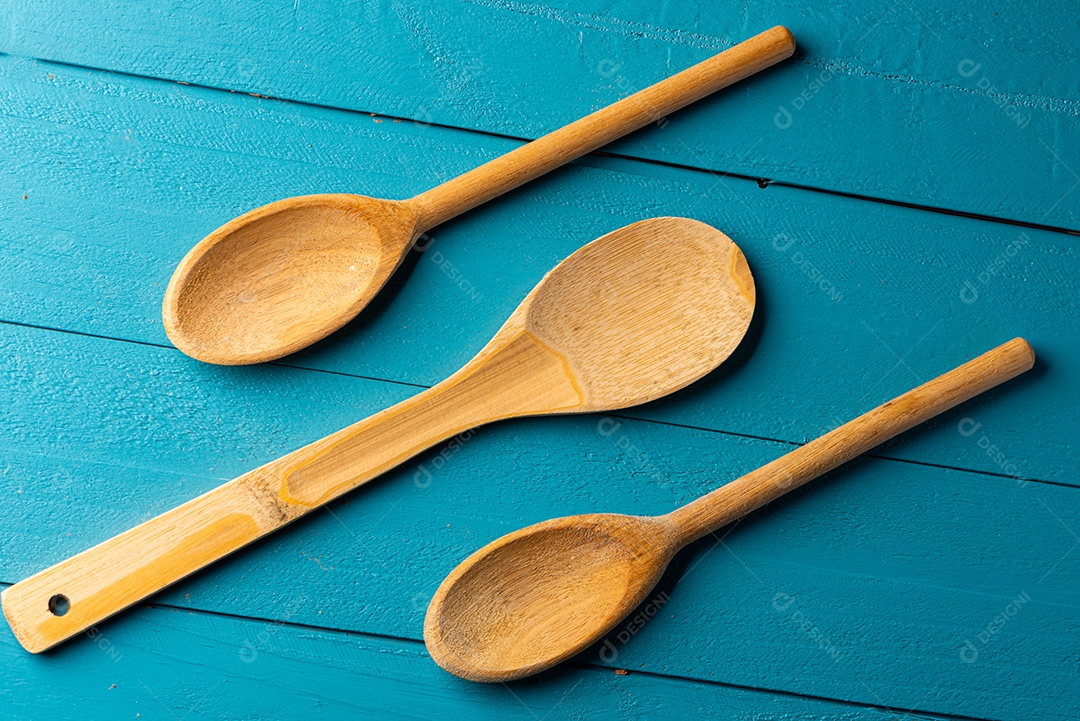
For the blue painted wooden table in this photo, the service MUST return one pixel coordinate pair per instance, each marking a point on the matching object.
(905, 189)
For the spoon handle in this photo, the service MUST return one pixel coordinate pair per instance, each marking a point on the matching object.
(520, 378)
(755, 489)
(600, 128)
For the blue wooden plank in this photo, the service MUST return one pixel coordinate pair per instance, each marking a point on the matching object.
(171, 664)
(888, 564)
(965, 581)
(858, 300)
(917, 102)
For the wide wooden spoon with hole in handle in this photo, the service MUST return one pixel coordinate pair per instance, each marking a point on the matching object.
(632, 316)
(538, 596)
(288, 274)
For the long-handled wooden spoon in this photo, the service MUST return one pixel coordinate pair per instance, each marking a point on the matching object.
(287, 274)
(632, 316)
(538, 596)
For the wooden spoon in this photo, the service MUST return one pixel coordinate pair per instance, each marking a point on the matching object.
(538, 596)
(288, 274)
(632, 316)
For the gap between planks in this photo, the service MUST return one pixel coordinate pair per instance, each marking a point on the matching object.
(623, 416)
(761, 182)
(592, 667)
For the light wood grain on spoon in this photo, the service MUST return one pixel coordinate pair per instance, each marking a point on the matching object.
(632, 316)
(543, 594)
(286, 275)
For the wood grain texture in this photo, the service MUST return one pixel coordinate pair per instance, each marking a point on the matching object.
(285, 275)
(892, 563)
(648, 105)
(837, 293)
(545, 593)
(920, 103)
(886, 565)
(860, 435)
(634, 315)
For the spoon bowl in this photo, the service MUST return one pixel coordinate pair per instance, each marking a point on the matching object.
(642, 311)
(288, 274)
(637, 313)
(540, 595)
(282, 276)
(543, 594)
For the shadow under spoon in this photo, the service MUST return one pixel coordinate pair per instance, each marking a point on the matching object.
(286, 275)
(638, 313)
(543, 594)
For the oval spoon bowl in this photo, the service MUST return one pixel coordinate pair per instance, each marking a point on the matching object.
(281, 276)
(541, 595)
(637, 313)
(288, 274)
(642, 311)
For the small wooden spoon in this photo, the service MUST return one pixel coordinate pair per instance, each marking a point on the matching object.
(538, 596)
(632, 316)
(285, 275)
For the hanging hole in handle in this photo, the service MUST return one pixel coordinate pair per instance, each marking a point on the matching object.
(59, 605)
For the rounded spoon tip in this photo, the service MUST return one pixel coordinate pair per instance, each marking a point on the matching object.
(541, 595)
(282, 276)
(645, 310)
(290, 273)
